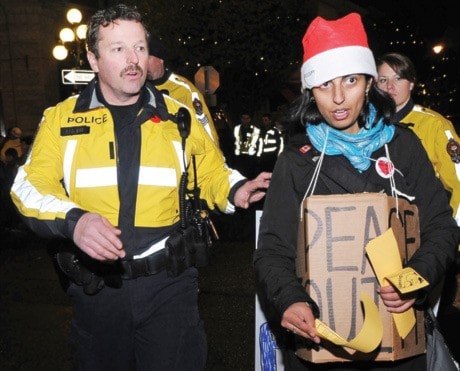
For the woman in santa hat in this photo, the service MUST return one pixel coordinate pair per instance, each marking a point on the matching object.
(347, 135)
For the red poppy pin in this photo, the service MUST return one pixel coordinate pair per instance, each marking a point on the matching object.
(384, 167)
(155, 118)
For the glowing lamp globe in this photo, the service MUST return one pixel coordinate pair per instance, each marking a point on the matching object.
(81, 31)
(74, 16)
(66, 35)
(60, 52)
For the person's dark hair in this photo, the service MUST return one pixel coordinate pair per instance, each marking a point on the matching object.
(106, 17)
(304, 109)
(401, 64)
(156, 47)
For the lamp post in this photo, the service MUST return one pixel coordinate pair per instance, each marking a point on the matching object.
(71, 39)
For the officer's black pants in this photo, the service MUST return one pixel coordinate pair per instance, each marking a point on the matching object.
(150, 323)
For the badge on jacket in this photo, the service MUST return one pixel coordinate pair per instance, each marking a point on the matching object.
(453, 149)
(384, 167)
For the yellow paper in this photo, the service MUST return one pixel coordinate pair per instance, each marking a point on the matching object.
(370, 335)
(384, 256)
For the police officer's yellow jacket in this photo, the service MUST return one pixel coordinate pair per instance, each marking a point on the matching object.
(441, 142)
(74, 166)
(183, 90)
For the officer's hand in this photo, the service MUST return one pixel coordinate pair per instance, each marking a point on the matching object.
(252, 191)
(95, 236)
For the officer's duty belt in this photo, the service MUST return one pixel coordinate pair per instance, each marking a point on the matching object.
(151, 264)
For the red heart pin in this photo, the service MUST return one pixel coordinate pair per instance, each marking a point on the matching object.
(384, 167)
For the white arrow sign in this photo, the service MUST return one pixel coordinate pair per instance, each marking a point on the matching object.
(75, 77)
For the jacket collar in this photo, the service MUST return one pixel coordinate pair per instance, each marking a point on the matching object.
(403, 112)
(87, 99)
(154, 105)
(162, 79)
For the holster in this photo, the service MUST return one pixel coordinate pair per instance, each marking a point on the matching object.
(190, 246)
(201, 245)
(204, 232)
(179, 250)
(70, 264)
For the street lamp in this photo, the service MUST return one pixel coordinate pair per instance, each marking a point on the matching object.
(438, 48)
(71, 38)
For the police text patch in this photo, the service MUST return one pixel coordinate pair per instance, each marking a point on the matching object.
(74, 130)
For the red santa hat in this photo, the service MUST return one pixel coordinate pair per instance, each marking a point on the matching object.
(335, 48)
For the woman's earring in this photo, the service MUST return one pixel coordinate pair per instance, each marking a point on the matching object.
(312, 100)
(366, 98)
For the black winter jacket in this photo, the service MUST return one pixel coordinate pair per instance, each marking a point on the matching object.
(275, 256)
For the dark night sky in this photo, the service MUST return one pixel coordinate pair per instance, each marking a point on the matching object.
(433, 18)
(431, 21)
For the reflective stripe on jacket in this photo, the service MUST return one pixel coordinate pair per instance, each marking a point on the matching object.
(181, 89)
(246, 139)
(271, 143)
(73, 165)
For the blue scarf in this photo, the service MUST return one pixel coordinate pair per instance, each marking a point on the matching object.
(357, 148)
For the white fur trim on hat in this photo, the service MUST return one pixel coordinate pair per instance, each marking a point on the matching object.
(332, 63)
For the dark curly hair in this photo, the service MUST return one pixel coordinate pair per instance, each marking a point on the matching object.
(104, 18)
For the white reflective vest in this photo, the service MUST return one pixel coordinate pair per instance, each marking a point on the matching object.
(246, 140)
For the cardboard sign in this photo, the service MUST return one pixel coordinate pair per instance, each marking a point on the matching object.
(332, 263)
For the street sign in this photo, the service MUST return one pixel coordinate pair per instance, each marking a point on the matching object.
(76, 77)
(207, 80)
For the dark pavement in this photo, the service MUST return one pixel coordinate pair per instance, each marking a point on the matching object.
(35, 313)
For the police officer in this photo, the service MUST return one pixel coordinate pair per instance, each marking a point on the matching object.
(270, 143)
(104, 172)
(397, 76)
(177, 86)
(246, 136)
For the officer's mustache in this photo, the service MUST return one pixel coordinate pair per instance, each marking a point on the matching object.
(131, 68)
